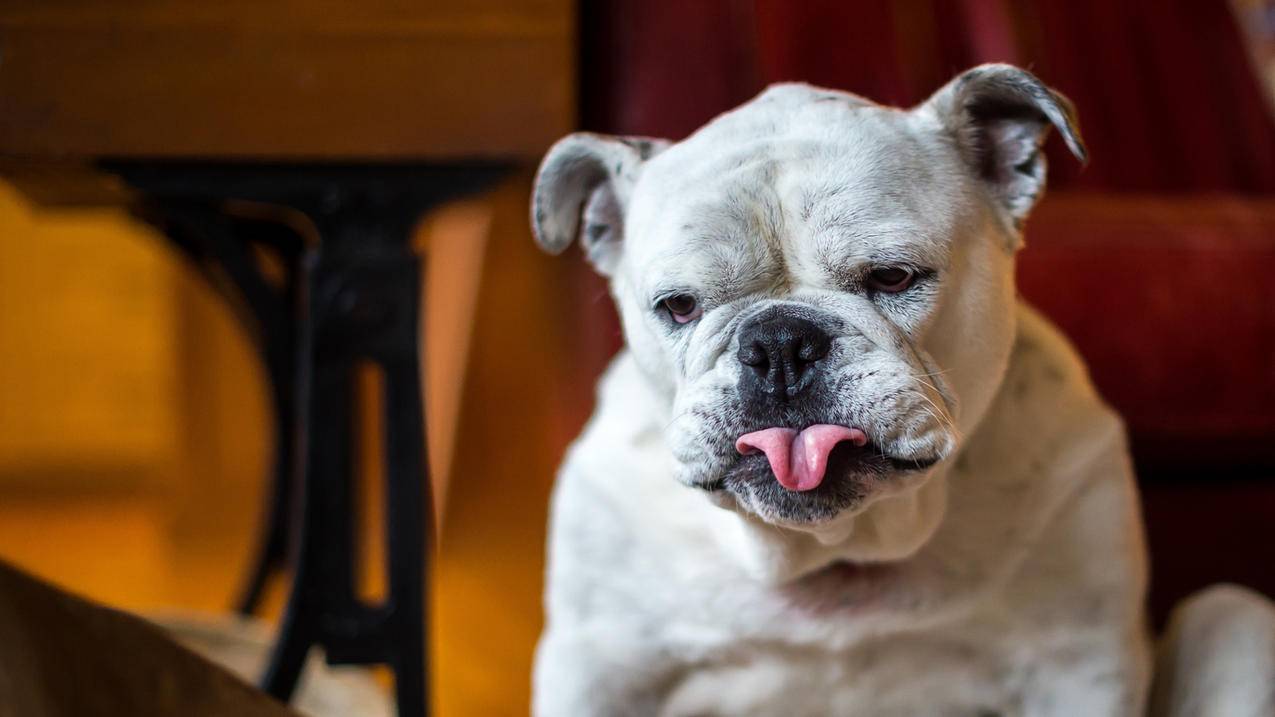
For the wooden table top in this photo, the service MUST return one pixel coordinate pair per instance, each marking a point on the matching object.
(293, 80)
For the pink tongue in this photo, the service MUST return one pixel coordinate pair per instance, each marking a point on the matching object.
(799, 460)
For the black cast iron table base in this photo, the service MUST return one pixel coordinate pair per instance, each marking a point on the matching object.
(343, 290)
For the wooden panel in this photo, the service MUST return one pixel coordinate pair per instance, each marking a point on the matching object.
(285, 78)
(455, 241)
(445, 16)
(510, 437)
(86, 351)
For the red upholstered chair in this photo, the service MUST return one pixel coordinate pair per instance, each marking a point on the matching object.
(1156, 259)
(1171, 302)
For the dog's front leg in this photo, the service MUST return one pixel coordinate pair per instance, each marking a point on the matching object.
(1218, 657)
(592, 672)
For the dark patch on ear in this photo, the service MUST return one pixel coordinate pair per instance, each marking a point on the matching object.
(1005, 92)
(1028, 166)
(969, 76)
(646, 148)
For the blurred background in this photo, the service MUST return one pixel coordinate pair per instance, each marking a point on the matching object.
(135, 433)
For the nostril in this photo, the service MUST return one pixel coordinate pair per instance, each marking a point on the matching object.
(814, 349)
(752, 354)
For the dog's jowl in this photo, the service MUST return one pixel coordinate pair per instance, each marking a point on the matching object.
(839, 468)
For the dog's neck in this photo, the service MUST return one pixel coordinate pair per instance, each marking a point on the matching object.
(888, 530)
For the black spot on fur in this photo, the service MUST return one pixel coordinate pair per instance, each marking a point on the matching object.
(644, 148)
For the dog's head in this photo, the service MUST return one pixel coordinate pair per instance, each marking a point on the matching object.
(822, 287)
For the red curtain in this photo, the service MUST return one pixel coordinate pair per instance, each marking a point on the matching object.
(1168, 101)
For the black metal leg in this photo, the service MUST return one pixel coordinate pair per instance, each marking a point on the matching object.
(270, 555)
(277, 347)
(361, 306)
(357, 300)
(221, 247)
(407, 504)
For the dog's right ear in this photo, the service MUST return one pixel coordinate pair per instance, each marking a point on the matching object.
(998, 116)
(582, 190)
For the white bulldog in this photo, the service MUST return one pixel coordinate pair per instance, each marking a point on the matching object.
(840, 468)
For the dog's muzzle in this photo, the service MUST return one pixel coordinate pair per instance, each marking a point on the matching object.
(781, 358)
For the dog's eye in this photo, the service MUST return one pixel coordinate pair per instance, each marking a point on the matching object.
(890, 279)
(683, 308)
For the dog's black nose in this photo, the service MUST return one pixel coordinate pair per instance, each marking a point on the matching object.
(780, 355)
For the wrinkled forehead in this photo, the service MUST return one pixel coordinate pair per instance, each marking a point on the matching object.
(860, 181)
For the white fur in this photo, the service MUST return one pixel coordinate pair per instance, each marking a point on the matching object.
(1007, 579)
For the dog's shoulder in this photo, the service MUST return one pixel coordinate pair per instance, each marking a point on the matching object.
(1048, 432)
(1047, 381)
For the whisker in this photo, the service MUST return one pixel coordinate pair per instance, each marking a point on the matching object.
(674, 419)
(932, 373)
(941, 416)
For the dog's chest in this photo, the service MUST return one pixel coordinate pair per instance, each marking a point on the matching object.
(889, 677)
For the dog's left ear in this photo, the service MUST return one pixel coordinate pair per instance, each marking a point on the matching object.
(582, 191)
(999, 116)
